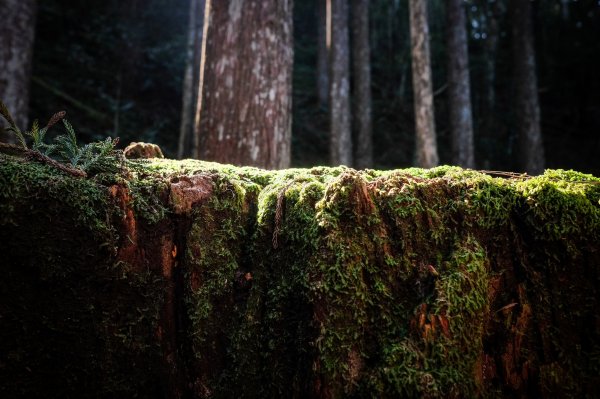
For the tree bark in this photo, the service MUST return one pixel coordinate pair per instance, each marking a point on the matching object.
(245, 107)
(426, 143)
(17, 33)
(339, 91)
(191, 78)
(323, 50)
(459, 87)
(362, 83)
(527, 108)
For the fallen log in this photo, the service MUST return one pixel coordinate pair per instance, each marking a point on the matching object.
(194, 279)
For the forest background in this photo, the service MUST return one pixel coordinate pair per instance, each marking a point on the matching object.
(118, 67)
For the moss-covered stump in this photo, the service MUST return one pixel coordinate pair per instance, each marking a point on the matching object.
(191, 279)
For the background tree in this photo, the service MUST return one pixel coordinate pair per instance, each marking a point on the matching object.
(17, 32)
(526, 104)
(489, 126)
(245, 108)
(459, 87)
(426, 142)
(339, 91)
(361, 57)
(84, 49)
(191, 80)
(323, 46)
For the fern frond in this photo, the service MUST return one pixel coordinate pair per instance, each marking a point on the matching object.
(55, 119)
(12, 125)
(4, 112)
(48, 149)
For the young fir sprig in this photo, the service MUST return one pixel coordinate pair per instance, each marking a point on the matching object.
(95, 157)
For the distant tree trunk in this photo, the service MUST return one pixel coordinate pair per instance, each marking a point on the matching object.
(362, 83)
(490, 126)
(245, 106)
(564, 9)
(323, 46)
(191, 78)
(17, 32)
(459, 88)
(339, 92)
(527, 108)
(426, 144)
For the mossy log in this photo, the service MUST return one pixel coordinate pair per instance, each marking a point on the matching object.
(187, 279)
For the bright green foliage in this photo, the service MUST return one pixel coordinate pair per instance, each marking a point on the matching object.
(92, 158)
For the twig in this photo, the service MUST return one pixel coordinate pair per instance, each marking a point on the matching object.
(13, 149)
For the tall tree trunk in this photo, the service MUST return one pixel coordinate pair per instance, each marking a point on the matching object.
(426, 143)
(564, 9)
(459, 88)
(323, 47)
(527, 108)
(339, 92)
(362, 83)
(245, 105)
(489, 130)
(191, 78)
(17, 32)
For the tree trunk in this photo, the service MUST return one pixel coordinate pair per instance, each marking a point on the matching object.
(489, 126)
(459, 87)
(362, 83)
(17, 32)
(191, 78)
(339, 91)
(323, 50)
(527, 108)
(245, 107)
(426, 143)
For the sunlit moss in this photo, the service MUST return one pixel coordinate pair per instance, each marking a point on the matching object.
(335, 282)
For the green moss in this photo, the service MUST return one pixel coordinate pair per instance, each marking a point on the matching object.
(326, 282)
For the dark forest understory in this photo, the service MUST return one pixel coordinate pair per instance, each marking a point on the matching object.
(192, 279)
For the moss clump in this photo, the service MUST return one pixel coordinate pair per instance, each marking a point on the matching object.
(323, 282)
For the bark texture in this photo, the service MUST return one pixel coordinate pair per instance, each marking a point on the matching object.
(17, 32)
(188, 279)
(426, 142)
(245, 110)
(323, 47)
(339, 91)
(191, 79)
(459, 87)
(527, 107)
(361, 58)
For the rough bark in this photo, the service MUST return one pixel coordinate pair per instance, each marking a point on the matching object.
(339, 91)
(186, 279)
(426, 142)
(17, 32)
(459, 87)
(361, 59)
(191, 78)
(245, 107)
(323, 47)
(526, 104)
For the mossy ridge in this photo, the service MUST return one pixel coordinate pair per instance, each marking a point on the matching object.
(386, 242)
(468, 201)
